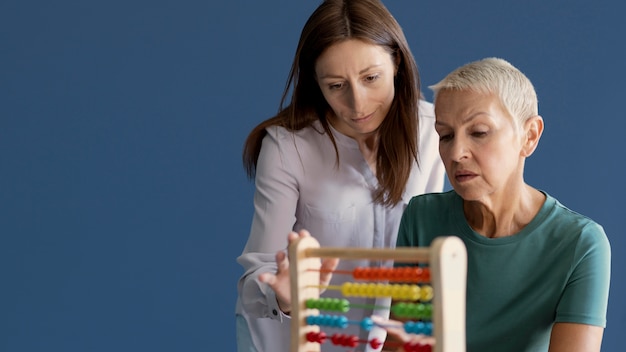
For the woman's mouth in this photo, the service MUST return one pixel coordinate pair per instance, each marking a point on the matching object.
(362, 119)
(463, 176)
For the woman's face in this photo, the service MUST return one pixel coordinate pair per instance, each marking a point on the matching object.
(480, 144)
(357, 80)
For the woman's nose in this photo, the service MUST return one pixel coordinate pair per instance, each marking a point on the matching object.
(358, 98)
(459, 149)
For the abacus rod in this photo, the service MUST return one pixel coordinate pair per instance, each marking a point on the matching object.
(404, 255)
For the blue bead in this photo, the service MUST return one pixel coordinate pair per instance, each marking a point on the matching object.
(342, 322)
(367, 324)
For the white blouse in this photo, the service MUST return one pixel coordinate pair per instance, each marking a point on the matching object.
(299, 185)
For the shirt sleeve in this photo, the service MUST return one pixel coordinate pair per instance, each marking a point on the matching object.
(275, 200)
(585, 298)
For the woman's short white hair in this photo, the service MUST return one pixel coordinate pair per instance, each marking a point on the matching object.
(494, 76)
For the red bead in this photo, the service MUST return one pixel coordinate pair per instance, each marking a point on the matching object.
(359, 273)
(375, 343)
(417, 347)
(318, 337)
(336, 339)
(352, 341)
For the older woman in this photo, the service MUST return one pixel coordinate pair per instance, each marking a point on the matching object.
(538, 272)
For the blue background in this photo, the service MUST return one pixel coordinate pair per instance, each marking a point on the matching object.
(123, 202)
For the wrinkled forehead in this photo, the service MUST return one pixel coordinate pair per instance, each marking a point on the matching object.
(458, 105)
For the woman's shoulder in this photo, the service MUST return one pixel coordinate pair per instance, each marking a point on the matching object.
(428, 135)
(564, 213)
(280, 134)
(562, 216)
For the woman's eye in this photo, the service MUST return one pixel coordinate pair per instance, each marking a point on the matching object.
(479, 134)
(335, 86)
(372, 78)
(445, 137)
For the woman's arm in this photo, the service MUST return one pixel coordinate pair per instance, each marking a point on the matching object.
(275, 200)
(581, 313)
(571, 337)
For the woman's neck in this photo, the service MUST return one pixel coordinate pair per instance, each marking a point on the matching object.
(369, 148)
(506, 217)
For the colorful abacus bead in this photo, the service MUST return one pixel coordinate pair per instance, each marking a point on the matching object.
(344, 340)
(363, 273)
(426, 293)
(407, 274)
(419, 327)
(330, 304)
(413, 310)
(319, 337)
(402, 292)
(408, 292)
(401, 274)
(367, 324)
(334, 321)
(417, 347)
(426, 274)
(375, 343)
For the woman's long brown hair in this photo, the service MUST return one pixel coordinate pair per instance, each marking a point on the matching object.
(332, 22)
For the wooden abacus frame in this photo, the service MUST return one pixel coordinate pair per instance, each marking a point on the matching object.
(447, 258)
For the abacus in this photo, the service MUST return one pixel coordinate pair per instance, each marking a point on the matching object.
(446, 258)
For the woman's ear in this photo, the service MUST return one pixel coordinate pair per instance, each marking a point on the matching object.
(533, 128)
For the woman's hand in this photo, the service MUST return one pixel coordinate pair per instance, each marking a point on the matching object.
(280, 282)
(397, 338)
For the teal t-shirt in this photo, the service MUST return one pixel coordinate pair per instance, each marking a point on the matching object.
(556, 269)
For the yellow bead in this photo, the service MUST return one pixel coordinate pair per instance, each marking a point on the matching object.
(427, 293)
